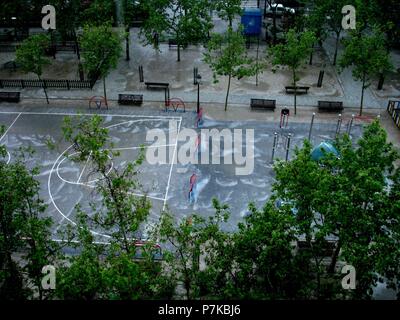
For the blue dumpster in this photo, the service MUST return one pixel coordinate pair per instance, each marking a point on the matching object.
(252, 21)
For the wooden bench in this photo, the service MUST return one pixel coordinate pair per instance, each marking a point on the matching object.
(299, 90)
(330, 106)
(130, 99)
(9, 96)
(263, 104)
(162, 85)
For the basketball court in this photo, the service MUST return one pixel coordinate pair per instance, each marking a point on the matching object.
(64, 183)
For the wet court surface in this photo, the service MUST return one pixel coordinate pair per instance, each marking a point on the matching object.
(240, 173)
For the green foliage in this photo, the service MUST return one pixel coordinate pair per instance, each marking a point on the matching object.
(99, 12)
(187, 21)
(31, 54)
(227, 56)
(192, 241)
(23, 230)
(111, 269)
(293, 53)
(228, 9)
(347, 198)
(101, 49)
(368, 57)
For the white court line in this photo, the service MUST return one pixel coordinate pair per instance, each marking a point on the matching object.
(8, 129)
(145, 195)
(57, 162)
(91, 114)
(145, 147)
(172, 165)
(84, 167)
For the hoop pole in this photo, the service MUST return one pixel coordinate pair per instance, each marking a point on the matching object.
(288, 146)
(311, 126)
(339, 125)
(350, 124)
(274, 146)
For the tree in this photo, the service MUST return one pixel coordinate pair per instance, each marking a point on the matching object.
(334, 18)
(258, 261)
(102, 50)
(191, 240)
(227, 56)
(293, 54)
(98, 12)
(188, 21)
(347, 198)
(31, 56)
(112, 269)
(368, 56)
(69, 13)
(23, 231)
(228, 9)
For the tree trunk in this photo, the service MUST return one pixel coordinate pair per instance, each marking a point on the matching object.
(274, 27)
(362, 96)
(45, 91)
(311, 56)
(335, 256)
(179, 52)
(78, 52)
(295, 91)
(227, 92)
(127, 43)
(257, 58)
(336, 47)
(105, 91)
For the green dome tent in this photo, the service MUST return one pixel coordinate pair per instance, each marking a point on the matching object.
(322, 149)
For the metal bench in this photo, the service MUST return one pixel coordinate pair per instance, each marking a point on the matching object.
(162, 85)
(263, 104)
(130, 99)
(10, 96)
(172, 43)
(298, 90)
(330, 106)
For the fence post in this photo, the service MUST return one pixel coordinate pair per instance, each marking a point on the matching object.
(320, 78)
(68, 84)
(141, 77)
(22, 84)
(1, 84)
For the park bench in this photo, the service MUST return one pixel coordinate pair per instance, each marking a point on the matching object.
(299, 90)
(130, 99)
(263, 104)
(172, 42)
(330, 106)
(9, 96)
(11, 65)
(162, 85)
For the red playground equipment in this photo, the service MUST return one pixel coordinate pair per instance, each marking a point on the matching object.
(199, 118)
(284, 118)
(176, 104)
(192, 182)
(97, 102)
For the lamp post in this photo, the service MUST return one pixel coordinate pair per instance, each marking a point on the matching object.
(198, 82)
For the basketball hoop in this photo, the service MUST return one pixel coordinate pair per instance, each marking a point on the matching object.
(177, 105)
(97, 102)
